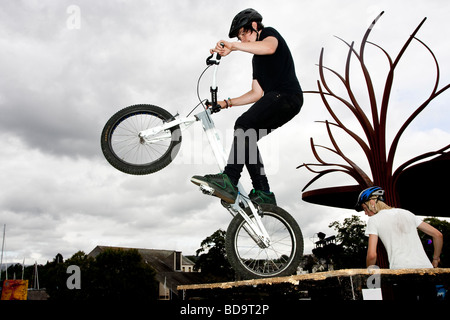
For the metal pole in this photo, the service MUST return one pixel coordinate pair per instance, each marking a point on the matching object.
(1, 260)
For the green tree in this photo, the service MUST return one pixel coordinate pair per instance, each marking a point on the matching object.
(212, 259)
(55, 276)
(123, 275)
(351, 243)
(14, 272)
(113, 275)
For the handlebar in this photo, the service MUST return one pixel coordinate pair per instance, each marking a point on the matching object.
(214, 60)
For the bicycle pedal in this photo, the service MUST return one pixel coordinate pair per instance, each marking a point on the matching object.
(225, 204)
(207, 190)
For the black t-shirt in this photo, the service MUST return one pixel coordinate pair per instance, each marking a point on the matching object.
(275, 72)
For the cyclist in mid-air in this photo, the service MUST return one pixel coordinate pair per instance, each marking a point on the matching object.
(277, 98)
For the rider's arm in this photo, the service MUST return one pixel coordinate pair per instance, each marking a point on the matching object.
(371, 258)
(438, 241)
(265, 47)
(247, 98)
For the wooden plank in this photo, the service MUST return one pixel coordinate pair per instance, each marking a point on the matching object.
(344, 284)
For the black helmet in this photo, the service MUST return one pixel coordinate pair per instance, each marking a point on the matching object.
(242, 19)
(366, 194)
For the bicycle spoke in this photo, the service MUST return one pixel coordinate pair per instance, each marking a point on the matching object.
(127, 145)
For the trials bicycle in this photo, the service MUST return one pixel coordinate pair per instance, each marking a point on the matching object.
(262, 240)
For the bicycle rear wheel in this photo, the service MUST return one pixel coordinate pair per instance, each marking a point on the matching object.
(281, 258)
(127, 152)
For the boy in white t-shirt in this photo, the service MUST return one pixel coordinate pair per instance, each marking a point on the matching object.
(397, 229)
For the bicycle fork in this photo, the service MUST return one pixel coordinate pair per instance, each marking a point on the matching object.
(254, 226)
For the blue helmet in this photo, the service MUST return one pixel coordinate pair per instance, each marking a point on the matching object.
(366, 194)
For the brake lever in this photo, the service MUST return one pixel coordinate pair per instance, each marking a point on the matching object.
(210, 61)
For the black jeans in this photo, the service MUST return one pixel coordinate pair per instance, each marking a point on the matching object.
(272, 111)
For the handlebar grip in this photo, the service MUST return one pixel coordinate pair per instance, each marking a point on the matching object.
(218, 55)
(216, 108)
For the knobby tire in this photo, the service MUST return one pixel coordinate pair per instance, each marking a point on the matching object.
(280, 259)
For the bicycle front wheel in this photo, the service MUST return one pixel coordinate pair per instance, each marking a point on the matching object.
(281, 258)
(127, 152)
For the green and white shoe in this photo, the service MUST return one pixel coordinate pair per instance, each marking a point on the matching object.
(219, 184)
(260, 197)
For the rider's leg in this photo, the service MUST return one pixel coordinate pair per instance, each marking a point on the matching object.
(236, 162)
(270, 112)
(244, 151)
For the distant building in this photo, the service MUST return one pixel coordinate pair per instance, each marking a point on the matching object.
(172, 269)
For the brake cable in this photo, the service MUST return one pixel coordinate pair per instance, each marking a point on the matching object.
(198, 92)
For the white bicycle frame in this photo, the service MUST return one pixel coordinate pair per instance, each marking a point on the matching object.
(254, 226)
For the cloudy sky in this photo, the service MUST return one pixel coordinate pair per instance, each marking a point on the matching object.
(67, 66)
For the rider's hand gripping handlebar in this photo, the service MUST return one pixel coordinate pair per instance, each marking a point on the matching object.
(211, 60)
(215, 108)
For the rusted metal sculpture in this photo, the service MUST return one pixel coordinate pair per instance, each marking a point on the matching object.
(399, 184)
